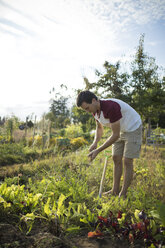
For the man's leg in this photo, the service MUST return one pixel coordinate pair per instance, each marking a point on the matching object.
(132, 147)
(117, 172)
(128, 175)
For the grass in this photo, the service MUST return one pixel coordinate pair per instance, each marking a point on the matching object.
(68, 186)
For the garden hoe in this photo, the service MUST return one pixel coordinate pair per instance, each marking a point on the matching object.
(103, 176)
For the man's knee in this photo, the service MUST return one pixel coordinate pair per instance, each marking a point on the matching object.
(128, 161)
(117, 159)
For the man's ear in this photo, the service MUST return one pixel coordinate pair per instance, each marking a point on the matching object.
(94, 100)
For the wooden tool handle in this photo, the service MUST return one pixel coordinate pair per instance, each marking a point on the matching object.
(103, 176)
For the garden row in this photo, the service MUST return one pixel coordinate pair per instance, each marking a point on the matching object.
(14, 153)
(62, 193)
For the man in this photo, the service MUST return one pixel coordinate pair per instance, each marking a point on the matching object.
(126, 136)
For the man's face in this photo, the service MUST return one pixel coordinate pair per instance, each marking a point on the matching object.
(90, 107)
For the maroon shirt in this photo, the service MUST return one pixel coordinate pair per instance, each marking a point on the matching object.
(111, 110)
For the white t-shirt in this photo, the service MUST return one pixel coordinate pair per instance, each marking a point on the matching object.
(113, 110)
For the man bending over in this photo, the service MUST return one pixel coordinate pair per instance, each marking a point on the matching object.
(126, 136)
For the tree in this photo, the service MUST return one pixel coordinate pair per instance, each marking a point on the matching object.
(143, 87)
(59, 111)
(111, 83)
(10, 125)
(147, 87)
(2, 121)
(80, 116)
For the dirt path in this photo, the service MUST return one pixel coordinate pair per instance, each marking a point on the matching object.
(84, 242)
(12, 237)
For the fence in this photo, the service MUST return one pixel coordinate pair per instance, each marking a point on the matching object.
(153, 136)
(29, 129)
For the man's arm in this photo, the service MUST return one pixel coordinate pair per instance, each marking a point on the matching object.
(115, 135)
(98, 135)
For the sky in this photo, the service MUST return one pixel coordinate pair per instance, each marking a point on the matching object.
(46, 43)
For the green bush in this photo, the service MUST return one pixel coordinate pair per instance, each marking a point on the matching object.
(30, 153)
(78, 142)
(73, 131)
(62, 143)
(11, 153)
(16, 153)
(66, 188)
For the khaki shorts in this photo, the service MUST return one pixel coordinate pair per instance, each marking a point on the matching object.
(129, 144)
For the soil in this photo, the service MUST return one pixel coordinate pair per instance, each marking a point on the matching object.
(12, 237)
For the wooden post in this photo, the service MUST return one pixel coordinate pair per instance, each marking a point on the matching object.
(34, 130)
(26, 126)
(10, 130)
(43, 133)
(149, 127)
(49, 133)
(145, 139)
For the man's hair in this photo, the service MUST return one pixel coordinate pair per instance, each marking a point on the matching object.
(85, 96)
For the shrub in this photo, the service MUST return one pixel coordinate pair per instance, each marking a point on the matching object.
(16, 153)
(73, 131)
(30, 141)
(52, 141)
(62, 143)
(62, 132)
(78, 142)
(38, 140)
(11, 153)
(30, 154)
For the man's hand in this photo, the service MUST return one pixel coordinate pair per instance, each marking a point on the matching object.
(93, 146)
(93, 154)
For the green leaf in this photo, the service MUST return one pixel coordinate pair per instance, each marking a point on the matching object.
(84, 220)
(155, 214)
(61, 200)
(161, 211)
(54, 206)
(1, 200)
(6, 205)
(28, 216)
(153, 226)
(47, 210)
(61, 207)
(152, 246)
(77, 215)
(79, 208)
(36, 198)
(12, 196)
(136, 214)
(73, 229)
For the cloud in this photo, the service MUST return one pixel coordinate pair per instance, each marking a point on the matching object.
(17, 11)
(16, 26)
(51, 19)
(3, 30)
(152, 43)
(60, 41)
(109, 17)
(118, 11)
(24, 110)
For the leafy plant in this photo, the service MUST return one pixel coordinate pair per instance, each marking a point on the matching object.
(78, 142)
